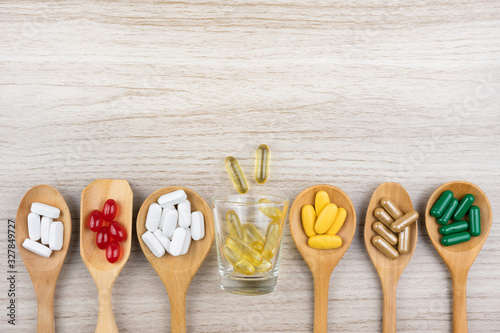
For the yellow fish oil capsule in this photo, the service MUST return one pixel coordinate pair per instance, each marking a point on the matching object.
(234, 223)
(391, 208)
(244, 267)
(325, 218)
(320, 201)
(252, 237)
(262, 159)
(404, 241)
(272, 237)
(338, 222)
(264, 267)
(385, 233)
(325, 242)
(236, 174)
(308, 220)
(385, 247)
(274, 213)
(404, 221)
(232, 256)
(245, 251)
(383, 216)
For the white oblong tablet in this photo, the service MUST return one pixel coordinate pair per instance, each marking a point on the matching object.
(56, 235)
(172, 198)
(44, 229)
(187, 242)
(164, 241)
(34, 226)
(37, 248)
(153, 244)
(45, 210)
(153, 217)
(177, 241)
(184, 209)
(169, 221)
(197, 225)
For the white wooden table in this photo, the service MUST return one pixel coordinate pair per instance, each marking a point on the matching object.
(351, 94)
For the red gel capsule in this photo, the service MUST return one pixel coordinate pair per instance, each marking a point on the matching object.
(95, 220)
(102, 238)
(113, 252)
(117, 231)
(109, 210)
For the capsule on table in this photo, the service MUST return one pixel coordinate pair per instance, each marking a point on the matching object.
(440, 206)
(385, 233)
(236, 174)
(320, 201)
(383, 216)
(325, 242)
(272, 237)
(457, 238)
(404, 241)
(475, 221)
(245, 251)
(252, 236)
(404, 221)
(244, 267)
(274, 213)
(338, 222)
(391, 208)
(262, 159)
(325, 218)
(463, 207)
(385, 247)
(264, 267)
(234, 223)
(308, 220)
(454, 227)
(448, 213)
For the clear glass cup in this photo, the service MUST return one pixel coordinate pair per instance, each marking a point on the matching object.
(255, 212)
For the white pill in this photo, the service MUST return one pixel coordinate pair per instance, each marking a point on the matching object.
(44, 229)
(184, 209)
(169, 221)
(153, 244)
(164, 241)
(187, 242)
(153, 217)
(45, 210)
(34, 226)
(56, 235)
(37, 248)
(172, 198)
(197, 225)
(177, 241)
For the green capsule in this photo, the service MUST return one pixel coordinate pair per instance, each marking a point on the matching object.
(245, 251)
(272, 237)
(457, 238)
(448, 213)
(453, 228)
(234, 223)
(475, 221)
(262, 160)
(440, 206)
(236, 174)
(463, 207)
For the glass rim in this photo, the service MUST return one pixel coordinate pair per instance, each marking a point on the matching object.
(274, 199)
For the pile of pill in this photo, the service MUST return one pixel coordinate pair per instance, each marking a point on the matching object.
(169, 229)
(237, 176)
(448, 207)
(41, 227)
(245, 248)
(392, 228)
(109, 232)
(322, 222)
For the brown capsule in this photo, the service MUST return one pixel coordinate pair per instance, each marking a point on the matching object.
(385, 247)
(385, 233)
(404, 241)
(391, 208)
(383, 217)
(404, 221)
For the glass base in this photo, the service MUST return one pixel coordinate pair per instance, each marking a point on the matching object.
(249, 286)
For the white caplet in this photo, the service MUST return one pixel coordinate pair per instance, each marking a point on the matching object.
(153, 217)
(153, 244)
(56, 235)
(177, 241)
(37, 248)
(187, 242)
(45, 210)
(44, 229)
(164, 241)
(169, 221)
(197, 225)
(172, 198)
(184, 209)
(34, 226)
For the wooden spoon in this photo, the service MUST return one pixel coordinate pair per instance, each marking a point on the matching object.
(459, 257)
(177, 272)
(389, 270)
(43, 271)
(321, 262)
(104, 273)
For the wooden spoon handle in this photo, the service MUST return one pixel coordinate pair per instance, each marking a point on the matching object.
(321, 287)
(459, 283)
(177, 299)
(45, 302)
(106, 320)
(389, 316)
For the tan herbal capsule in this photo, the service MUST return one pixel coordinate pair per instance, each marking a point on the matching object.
(404, 221)
(383, 217)
(385, 247)
(404, 241)
(385, 233)
(391, 208)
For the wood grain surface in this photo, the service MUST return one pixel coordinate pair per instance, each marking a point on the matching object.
(351, 94)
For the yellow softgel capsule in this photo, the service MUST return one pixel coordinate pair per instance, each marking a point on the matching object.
(325, 218)
(262, 159)
(264, 267)
(252, 236)
(308, 220)
(325, 242)
(244, 267)
(234, 223)
(236, 174)
(274, 213)
(232, 256)
(320, 201)
(338, 222)
(272, 237)
(245, 251)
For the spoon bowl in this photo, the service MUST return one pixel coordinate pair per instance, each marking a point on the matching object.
(43, 271)
(104, 273)
(321, 262)
(389, 270)
(176, 273)
(459, 257)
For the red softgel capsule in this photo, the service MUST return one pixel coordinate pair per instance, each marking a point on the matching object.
(109, 210)
(117, 231)
(113, 252)
(95, 220)
(102, 239)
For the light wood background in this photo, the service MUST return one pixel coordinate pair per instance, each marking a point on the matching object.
(351, 93)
